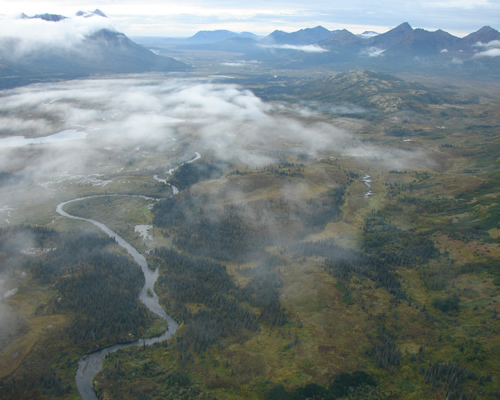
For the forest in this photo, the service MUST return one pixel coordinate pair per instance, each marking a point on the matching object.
(352, 256)
(223, 308)
(91, 283)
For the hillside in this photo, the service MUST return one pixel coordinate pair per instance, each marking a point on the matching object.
(103, 51)
(311, 249)
(370, 89)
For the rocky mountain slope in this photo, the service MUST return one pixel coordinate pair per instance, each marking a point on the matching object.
(25, 59)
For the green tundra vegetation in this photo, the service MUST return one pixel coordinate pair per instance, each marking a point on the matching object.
(287, 281)
(285, 308)
(88, 293)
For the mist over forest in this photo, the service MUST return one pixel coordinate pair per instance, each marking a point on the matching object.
(313, 216)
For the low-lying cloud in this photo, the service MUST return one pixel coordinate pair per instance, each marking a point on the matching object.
(372, 52)
(310, 48)
(27, 35)
(106, 126)
(490, 49)
(488, 53)
(489, 45)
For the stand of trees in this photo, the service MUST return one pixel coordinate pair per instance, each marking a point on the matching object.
(229, 237)
(96, 288)
(224, 308)
(384, 248)
(322, 210)
(343, 263)
(237, 233)
(175, 211)
(95, 284)
(226, 235)
(386, 352)
(188, 174)
(358, 383)
(451, 376)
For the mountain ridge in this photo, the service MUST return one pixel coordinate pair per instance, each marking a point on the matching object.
(101, 50)
(301, 37)
(218, 36)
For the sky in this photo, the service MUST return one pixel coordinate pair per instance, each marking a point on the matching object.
(173, 18)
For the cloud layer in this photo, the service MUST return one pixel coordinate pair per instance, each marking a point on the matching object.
(305, 48)
(490, 49)
(30, 34)
(86, 131)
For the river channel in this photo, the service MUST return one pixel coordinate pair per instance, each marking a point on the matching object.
(91, 364)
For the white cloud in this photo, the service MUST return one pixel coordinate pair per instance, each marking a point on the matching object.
(147, 111)
(489, 53)
(490, 49)
(464, 4)
(372, 52)
(492, 44)
(306, 48)
(33, 33)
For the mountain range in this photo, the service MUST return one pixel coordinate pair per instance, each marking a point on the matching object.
(401, 38)
(103, 50)
(300, 37)
(400, 48)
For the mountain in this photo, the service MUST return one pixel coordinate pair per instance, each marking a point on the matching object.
(45, 17)
(342, 39)
(484, 35)
(219, 36)
(404, 41)
(101, 51)
(301, 37)
(88, 14)
(392, 37)
(118, 53)
(400, 49)
(423, 43)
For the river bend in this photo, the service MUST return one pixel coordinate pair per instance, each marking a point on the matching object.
(91, 364)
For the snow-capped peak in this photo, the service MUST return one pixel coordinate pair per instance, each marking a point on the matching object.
(88, 14)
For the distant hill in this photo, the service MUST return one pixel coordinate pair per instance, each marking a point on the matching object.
(300, 37)
(370, 89)
(45, 17)
(103, 51)
(88, 14)
(219, 36)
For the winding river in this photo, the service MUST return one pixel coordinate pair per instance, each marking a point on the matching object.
(367, 181)
(172, 170)
(91, 364)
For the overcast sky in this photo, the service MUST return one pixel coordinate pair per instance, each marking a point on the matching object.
(183, 18)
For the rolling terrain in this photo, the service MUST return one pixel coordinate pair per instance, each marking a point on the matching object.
(316, 233)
